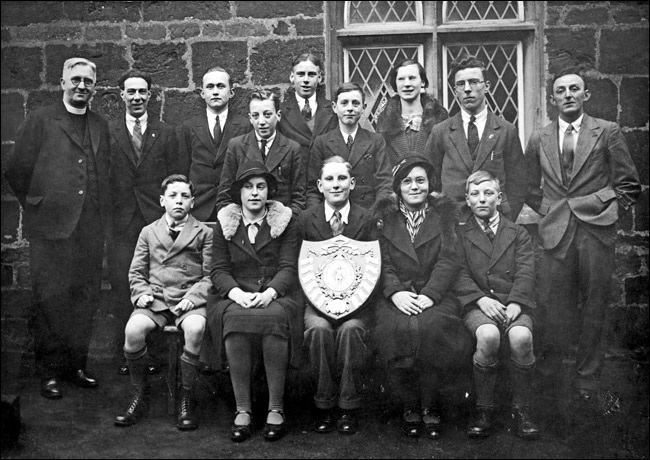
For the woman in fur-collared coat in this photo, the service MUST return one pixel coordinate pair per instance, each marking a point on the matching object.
(408, 117)
(419, 332)
(258, 297)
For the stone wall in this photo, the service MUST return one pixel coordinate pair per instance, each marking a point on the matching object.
(256, 41)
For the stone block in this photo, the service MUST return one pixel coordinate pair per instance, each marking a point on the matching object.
(102, 11)
(604, 99)
(552, 15)
(631, 12)
(625, 221)
(46, 33)
(636, 290)
(628, 261)
(634, 101)
(171, 11)
(109, 104)
(108, 57)
(566, 47)
(38, 99)
(25, 13)
(184, 30)
(7, 151)
(163, 61)
(624, 51)
(21, 67)
(5, 35)
(7, 275)
(628, 327)
(13, 113)
(638, 145)
(246, 28)
(231, 55)
(16, 303)
(597, 16)
(278, 9)
(309, 26)
(214, 29)
(10, 221)
(641, 214)
(282, 28)
(103, 33)
(146, 31)
(271, 60)
(180, 106)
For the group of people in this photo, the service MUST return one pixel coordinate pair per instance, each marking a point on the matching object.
(440, 193)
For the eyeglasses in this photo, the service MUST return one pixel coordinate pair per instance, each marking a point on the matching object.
(76, 81)
(460, 84)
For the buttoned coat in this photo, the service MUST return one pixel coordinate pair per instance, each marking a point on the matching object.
(202, 162)
(499, 152)
(293, 124)
(370, 166)
(282, 160)
(503, 269)
(270, 264)
(604, 177)
(135, 182)
(172, 270)
(48, 174)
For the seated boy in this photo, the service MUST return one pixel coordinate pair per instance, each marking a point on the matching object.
(170, 282)
(496, 288)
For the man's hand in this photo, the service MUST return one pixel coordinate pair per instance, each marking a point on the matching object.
(182, 306)
(144, 301)
(493, 309)
(512, 312)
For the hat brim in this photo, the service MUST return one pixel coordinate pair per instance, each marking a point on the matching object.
(236, 186)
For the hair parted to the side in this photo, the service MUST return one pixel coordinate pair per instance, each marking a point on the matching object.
(482, 176)
(336, 159)
(176, 178)
(134, 73)
(347, 87)
(71, 63)
(467, 62)
(266, 95)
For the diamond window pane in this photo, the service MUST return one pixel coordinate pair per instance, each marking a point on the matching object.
(370, 67)
(481, 11)
(382, 12)
(501, 59)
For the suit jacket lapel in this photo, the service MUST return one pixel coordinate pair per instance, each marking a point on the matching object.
(550, 146)
(202, 130)
(359, 147)
(231, 127)
(94, 131)
(240, 239)
(277, 152)
(590, 131)
(488, 141)
(505, 237)
(319, 224)
(124, 139)
(321, 117)
(187, 234)
(67, 125)
(149, 138)
(429, 229)
(399, 237)
(457, 136)
(475, 235)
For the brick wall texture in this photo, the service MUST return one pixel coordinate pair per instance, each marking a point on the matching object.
(256, 41)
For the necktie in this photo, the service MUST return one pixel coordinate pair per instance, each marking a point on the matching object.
(349, 143)
(488, 230)
(252, 232)
(173, 232)
(567, 149)
(306, 110)
(137, 137)
(216, 133)
(472, 136)
(263, 147)
(336, 224)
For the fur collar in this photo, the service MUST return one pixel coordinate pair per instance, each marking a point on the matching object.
(390, 120)
(278, 217)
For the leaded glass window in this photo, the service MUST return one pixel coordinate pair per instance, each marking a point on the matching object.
(377, 13)
(482, 11)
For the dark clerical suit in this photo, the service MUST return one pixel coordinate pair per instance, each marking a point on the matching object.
(59, 172)
(337, 349)
(202, 161)
(578, 233)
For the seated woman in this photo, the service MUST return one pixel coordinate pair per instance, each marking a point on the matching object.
(258, 298)
(419, 332)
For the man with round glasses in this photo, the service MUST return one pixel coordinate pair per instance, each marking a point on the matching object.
(59, 173)
(476, 139)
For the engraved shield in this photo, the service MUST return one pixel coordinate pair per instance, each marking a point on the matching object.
(338, 275)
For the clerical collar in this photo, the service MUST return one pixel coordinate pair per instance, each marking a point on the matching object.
(345, 212)
(74, 110)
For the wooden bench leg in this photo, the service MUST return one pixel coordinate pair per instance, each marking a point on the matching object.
(175, 347)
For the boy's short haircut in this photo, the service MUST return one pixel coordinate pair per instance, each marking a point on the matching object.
(482, 176)
(176, 178)
(347, 87)
(336, 159)
(133, 73)
(572, 70)
(266, 95)
(216, 68)
(466, 62)
(308, 57)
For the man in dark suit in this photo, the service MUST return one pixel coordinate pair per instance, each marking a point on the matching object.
(280, 155)
(59, 173)
(143, 152)
(337, 349)
(364, 150)
(203, 141)
(306, 114)
(476, 139)
(589, 179)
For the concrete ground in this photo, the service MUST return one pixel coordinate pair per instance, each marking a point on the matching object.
(81, 424)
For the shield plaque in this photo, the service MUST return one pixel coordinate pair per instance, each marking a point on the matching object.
(338, 275)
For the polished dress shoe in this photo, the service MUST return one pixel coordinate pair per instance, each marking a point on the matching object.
(152, 369)
(50, 389)
(347, 423)
(137, 409)
(83, 379)
(240, 433)
(274, 431)
(412, 423)
(431, 424)
(482, 423)
(186, 420)
(526, 428)
(324, 422)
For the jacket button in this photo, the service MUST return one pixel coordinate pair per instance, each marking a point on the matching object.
(81, 192)
(80, 160)
(260, 281)
(183, 286)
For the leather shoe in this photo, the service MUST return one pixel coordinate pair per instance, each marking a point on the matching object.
(324, 422)
(431, 424)
(240, 433)
(412, 423)
(482, 423)
(137, 409)
(152, 369)
(526, 428)
(83, 379)
(186, 420)
(50, 389)
(347, 423)
(273, 431)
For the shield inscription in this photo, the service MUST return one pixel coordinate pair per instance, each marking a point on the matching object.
(338, 275)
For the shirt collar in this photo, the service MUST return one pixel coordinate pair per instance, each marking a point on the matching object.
(576, 124)
(176, 225)
(269, 141)
(74, 110)
(481, 117)
(143, 119)
(247, 221)
(301, 101)
(345, 212)
(354, 135)
(494, 222)
(212, 117)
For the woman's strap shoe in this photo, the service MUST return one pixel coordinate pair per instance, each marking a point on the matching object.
(273, 431)
(240, 433)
